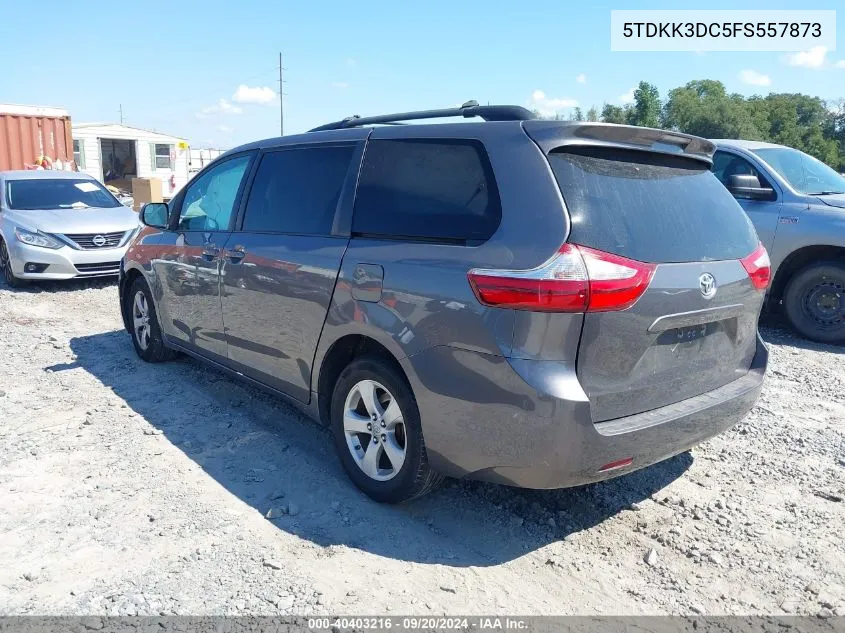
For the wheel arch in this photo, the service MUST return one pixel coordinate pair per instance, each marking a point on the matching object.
(797, 261)
(338, 356)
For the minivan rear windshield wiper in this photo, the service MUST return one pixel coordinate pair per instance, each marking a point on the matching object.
(825, 193)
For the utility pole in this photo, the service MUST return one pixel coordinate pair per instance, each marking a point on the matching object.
(121, 114)
(281, 101)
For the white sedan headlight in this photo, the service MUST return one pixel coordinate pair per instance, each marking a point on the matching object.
(36, 239)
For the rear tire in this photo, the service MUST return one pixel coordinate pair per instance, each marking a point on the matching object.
(6, 268)
(368, 386)
(814, 302)
(146, 333)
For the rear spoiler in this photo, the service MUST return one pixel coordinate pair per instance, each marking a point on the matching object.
(551, 135)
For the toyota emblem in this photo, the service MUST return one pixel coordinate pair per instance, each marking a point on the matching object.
(707, 285)
(98, 241)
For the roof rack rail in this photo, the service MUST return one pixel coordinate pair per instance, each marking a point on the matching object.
(467, 110)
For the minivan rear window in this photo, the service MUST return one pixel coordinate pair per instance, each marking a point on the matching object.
(650, 207)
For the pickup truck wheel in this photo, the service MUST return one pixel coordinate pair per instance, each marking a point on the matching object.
(815, 302)
(146, 333)
(377, 432)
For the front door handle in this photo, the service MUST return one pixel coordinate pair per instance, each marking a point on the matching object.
(236, 255)
(210, 252)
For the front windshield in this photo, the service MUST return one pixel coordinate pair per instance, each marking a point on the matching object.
(802, 171)
(38, 194)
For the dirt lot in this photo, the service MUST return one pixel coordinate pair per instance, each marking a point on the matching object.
(129, 488)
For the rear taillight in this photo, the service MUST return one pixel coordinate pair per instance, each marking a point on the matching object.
(576, 279)
(758, 267)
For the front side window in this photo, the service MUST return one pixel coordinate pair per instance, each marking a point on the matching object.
(296, 190)
(427, 189)
(162, 156)
(727, 164)
(209, 199)
(39, 194)
(806, 174)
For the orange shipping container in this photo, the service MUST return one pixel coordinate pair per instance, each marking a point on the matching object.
(27, 132)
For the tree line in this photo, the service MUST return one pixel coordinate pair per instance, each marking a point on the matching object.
(704, 108)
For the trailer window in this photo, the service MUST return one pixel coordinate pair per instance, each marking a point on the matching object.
(162, 156)
(78, 154)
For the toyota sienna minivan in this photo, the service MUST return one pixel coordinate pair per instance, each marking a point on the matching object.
(533, 303)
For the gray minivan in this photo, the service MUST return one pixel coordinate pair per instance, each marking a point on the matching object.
(534, 303)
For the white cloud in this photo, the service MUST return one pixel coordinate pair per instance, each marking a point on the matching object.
(813, 58)
(224, 128)
(259, 94)
(548, 106)
(581, 79)
(221, 107)
(753, 78)
(340, 85)
(628, 97)
(351, 62)
(840, 63)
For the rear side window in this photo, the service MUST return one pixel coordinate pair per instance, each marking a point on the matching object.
(650, 207)
(422, 189)
(296, 190)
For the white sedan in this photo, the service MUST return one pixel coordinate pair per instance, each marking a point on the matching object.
(60, 225)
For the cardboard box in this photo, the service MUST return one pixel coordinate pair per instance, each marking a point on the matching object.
(145, 190)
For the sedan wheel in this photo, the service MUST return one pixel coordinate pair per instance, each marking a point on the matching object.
(375, 430)
(6, 268)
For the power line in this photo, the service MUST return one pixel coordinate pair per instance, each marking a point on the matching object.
(281, 99)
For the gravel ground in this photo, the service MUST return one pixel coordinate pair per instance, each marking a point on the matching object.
(127, 488)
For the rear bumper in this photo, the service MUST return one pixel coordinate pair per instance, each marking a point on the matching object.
(65, 262)
(527, 423)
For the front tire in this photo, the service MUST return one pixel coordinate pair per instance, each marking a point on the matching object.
(814, 302)
(146, 333)
(6, 268)
(377, 432)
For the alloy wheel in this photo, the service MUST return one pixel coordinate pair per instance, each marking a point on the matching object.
(374, 430)
(5, 264)
(141, 320)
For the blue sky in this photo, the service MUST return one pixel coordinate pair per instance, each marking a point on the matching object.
(177, 66)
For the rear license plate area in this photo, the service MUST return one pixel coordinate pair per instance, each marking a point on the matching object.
(686, 334)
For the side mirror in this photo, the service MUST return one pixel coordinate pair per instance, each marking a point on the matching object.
(748, 186)
(155, 214)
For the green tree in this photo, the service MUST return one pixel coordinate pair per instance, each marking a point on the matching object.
(704, 108)
(835, 129)
(646, 109)
(576, 115)
(593, 114)
(803, 122)
(613, 114)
